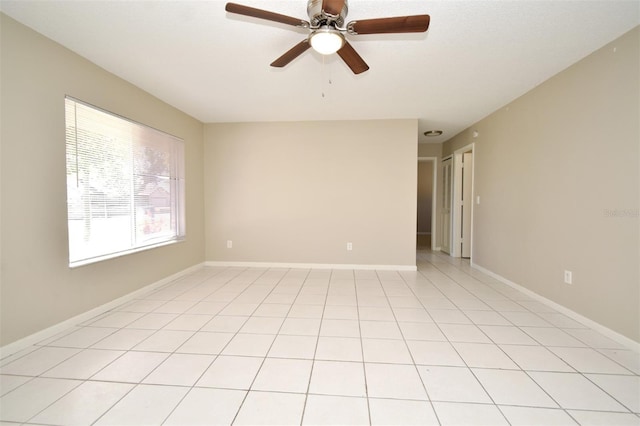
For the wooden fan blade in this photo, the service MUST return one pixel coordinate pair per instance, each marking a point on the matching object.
(332, 7)
(399, 24)
(265, 14)
(352, 59)
(291, 54)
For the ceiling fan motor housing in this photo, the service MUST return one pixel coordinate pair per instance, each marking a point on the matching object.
(327, 31)
(317, 17)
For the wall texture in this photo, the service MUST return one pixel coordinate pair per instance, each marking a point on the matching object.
(298, 192)
(557, 172)
(38, 289)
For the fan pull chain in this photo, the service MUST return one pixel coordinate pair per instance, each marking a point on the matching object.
(324, 78)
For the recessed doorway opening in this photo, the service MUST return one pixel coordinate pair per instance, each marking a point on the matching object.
(426, 214)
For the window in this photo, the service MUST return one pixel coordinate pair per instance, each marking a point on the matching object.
(125, 185)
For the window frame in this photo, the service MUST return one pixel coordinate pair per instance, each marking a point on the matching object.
(176, 182)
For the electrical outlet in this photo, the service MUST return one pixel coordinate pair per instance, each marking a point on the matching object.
(568, 277)
(229, 244)
(349, 246)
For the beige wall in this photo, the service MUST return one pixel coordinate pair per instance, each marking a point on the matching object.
(38, 288)
(430, 150)
(550, 169)
(298, 192)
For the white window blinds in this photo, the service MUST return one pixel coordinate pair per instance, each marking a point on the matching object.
(125, 185)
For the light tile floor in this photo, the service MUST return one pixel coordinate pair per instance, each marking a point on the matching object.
(445, 345)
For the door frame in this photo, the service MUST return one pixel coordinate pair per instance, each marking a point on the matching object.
(456, 217)
(434, 200)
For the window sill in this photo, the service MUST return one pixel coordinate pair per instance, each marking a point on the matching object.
(96, 259)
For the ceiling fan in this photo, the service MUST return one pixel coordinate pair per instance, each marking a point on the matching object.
(327, 34)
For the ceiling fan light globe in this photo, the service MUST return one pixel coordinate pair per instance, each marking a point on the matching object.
(326, 40)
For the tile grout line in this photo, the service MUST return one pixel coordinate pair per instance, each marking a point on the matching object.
(88, 379)
(215, 356)
(512, 360)
(449, 272)
(576, 371)
(364, 365)
(530, 377)
(264, 358)
(315, 349)
(135, 385)
(415, 365)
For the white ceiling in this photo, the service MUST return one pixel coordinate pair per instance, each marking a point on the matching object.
(476, 57)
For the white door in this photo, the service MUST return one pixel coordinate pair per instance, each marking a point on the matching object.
(467, 204)
(445, 212)
(461, 203)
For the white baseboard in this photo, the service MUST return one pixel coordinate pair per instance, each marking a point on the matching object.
(39, 336)
(313, 266)
(611, 334)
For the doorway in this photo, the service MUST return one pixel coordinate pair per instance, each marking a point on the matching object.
(445, 209)
(426, 218)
